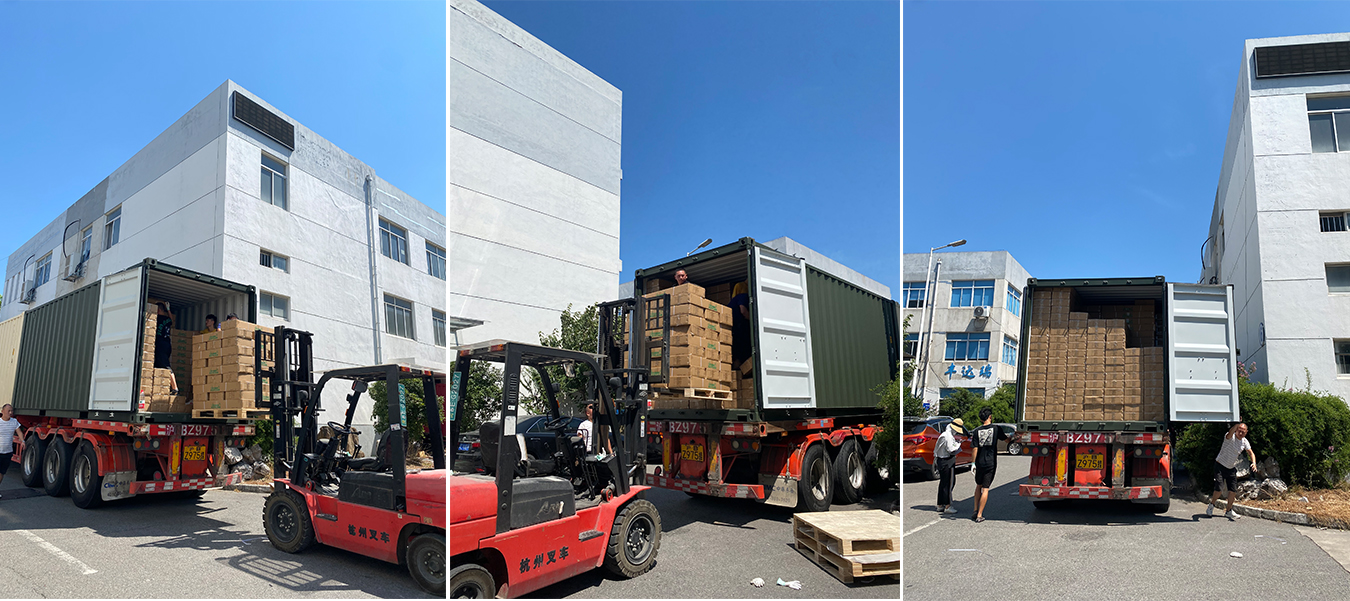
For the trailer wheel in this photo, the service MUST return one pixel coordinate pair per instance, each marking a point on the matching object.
(56, 468)
(287, 523)
(634, 540)
(816, 487)
(426, 562)
(472, 581)
(34, 451)
(86, 486)
(850, 473)
(1014, 448)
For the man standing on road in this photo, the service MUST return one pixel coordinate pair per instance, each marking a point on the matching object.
(1225, 467)
(985, 440)
(944, 455)
(9, 425)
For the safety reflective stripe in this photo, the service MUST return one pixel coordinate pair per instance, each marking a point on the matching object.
(171, 485)
(1090, 492)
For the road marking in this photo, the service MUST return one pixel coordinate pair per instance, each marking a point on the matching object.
(66, 557)
(921, 527)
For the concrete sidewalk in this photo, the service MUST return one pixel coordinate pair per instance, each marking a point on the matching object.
(1335, 542)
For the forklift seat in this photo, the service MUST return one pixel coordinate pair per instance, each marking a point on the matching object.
(379, 462)
(489, 441)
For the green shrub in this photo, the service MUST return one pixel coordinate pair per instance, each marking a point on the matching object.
(1307, 432)
(887, 441)
(1001, 403)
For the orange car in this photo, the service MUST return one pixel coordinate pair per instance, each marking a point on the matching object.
(921, 436)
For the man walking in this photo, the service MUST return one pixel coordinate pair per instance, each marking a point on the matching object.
(8, 426)
(1225, 467)
(985, 440)
(944, 456)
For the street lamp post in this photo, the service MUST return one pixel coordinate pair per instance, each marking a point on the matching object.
(926, 332)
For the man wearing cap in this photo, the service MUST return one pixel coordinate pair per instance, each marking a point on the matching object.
(944, 453)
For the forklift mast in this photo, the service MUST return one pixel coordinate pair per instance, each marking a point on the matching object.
(630, 383)
(290, 392)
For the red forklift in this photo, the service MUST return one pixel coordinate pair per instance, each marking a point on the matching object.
(527, 523)
(374, 505)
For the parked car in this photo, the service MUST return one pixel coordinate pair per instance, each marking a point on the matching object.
(540, 443)
(920, 438)
(1009, 446)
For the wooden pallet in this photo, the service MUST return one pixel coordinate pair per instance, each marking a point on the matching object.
(230, 413)
(691, 393)
(846, 569)
(850, 533)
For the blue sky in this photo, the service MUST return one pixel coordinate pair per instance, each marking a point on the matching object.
(760, 119)
(1083, 137)
(87, 85)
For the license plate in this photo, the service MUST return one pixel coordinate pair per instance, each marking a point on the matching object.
(1089, 462)
(194, 453)
(691, 452)
(464, 447)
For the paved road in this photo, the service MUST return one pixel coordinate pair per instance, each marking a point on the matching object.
(713, 548)
(1102, 550)
(159, 547)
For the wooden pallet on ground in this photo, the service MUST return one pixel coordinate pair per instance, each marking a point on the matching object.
(230, 413)
(850, 544)
(846, 569)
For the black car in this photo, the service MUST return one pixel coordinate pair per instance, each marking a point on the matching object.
(540, 443)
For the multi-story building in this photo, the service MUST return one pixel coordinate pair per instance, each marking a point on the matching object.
(1278, 232)
(974, 316)
(236, 189)
(534, 172)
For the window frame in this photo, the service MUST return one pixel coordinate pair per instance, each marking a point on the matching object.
(1340, 352)
(1009, 350)
(914, 295)
(1014, 301)
(411, 320)
(112, 227)
(273, 174)
(1323, 216)
(86, 244)
(271, 258)
(438, 329)
(1327, 273)
(435, 255)
(387, 234)
(42, 270)
(910, 341)
(956, 341)
(948, 391)
(964, 293)
(271, 311)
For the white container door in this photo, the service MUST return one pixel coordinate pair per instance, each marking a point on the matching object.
(1201, 353)
(786, 380)
(116, 357)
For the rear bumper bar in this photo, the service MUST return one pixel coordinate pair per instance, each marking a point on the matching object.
(1090, 492)
(147, 487)
(712, 489)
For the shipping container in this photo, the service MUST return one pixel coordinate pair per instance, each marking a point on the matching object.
(79, 355)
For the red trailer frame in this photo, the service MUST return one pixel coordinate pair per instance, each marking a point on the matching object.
(1051, 478)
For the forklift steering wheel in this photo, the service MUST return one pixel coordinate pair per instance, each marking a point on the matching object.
(558, 424)
(339, 428)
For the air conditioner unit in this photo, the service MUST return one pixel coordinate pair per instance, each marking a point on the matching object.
(981, 312)
(29, 293)
(76, 272)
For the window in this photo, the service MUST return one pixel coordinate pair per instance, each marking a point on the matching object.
(438, 326)
(1343, 357)
(435, 260)
(112, 228)
(973, 293)
(398, 317)
(1329, 123)
(393, 242)
(273, 182)
(946, 392)
(273, 260)
(967, 347)
(44, 271)
(275, 305)
(915, 293)
(1014, 301)
(1338, 278)
(1333, 222)
(1009, 350)
(911, 346)
(86, 243)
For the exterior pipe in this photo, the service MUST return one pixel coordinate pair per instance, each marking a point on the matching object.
(374, 287)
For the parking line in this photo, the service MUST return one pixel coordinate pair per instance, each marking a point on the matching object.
(57, 552)
(916, 529)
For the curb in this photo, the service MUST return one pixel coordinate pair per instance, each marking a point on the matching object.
(1265, 514)
(258, 488)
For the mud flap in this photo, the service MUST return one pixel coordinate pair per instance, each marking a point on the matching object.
(117, 485)
(781, 491)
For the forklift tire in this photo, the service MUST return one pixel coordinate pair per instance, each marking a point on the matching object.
(34, 451)
(634, 540)
(472, 581)
(426, 562)
(850, 473)
(86, 486)
(286, 521)
(56, 467)
(816, 488)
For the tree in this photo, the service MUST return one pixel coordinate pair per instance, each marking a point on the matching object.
(416, 417)
(1001, 403)
(484, 399)
(887, 441)
(913, 403)
(578, 331)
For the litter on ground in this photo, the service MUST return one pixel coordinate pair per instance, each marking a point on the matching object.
(1235, 554)
(758, 582)
(795, 585)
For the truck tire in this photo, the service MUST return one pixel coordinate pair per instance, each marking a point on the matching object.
(1014, 448)
(56, 467)
(426, 562)
(634, 540)
(472, 581)
(816, 487)
(34, 452)
(287, 523)
(850, 473)
(86, 486)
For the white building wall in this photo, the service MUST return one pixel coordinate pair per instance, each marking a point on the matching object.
(534, 145)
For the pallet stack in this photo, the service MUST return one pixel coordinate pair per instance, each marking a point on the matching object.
(223, 372)
(700, 348)
(155, 382)
(850, 544)
(1085, 369)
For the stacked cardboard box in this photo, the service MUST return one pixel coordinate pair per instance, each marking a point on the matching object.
(1081, 368)
(743, 393)
(223, 368)
(700, 340)
(720, 293)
